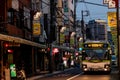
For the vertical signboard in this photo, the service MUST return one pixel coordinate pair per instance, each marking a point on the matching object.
(62, 38)
(13, 70)
(36, 29)
(111, 3)
(112, 20)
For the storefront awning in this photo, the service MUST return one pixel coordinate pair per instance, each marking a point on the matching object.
(20, 40)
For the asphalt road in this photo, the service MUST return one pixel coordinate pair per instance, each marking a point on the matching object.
(77, 74)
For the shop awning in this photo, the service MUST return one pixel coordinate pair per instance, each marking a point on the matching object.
(20, 40)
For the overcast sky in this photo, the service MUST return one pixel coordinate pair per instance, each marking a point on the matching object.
(96, 12)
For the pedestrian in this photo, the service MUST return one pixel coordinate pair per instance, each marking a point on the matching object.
(21, 72)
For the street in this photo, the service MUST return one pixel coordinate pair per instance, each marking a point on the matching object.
(77, 74)
(41, 38)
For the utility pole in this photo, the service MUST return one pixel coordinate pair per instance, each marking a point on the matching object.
(82, 26)
(1, 59)
(82, 23)
(118, 32)
(52, 12)
(75, 23)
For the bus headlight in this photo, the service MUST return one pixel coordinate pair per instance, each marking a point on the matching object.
(105, 69)
(85, 69)
(106, 66)
(84, 66)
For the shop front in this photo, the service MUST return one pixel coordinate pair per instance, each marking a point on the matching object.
(18, 51)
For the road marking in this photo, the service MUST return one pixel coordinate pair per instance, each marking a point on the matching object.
(73, 77)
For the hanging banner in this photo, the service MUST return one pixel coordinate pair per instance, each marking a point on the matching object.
(36, 29)
(112, 20)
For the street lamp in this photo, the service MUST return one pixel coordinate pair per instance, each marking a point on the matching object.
(83, 13)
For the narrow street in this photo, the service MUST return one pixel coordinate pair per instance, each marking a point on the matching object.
(77, 74)
(59, 39)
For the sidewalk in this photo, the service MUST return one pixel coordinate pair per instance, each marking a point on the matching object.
(47, 74)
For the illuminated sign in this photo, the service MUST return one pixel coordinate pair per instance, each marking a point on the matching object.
(95, 45)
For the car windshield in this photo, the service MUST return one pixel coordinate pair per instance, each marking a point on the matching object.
(113, 57)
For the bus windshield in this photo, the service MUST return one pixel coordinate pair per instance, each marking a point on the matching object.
(95, 54)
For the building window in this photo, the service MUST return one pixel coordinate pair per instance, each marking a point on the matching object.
(65, 6)
(15, 18)
(37, 6)
(72, 1)
(71, 13)
(11, 17)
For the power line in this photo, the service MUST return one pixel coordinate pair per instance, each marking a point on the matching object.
(88, 10)
(93, 3)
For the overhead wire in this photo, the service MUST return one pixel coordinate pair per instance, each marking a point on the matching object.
(85, 2)
(88, 10)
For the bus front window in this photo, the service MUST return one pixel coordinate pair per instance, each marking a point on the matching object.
(94, 54)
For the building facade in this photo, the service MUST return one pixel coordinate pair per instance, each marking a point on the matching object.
(97, 30)
(28, 28)
(17, 33)
(68, 8)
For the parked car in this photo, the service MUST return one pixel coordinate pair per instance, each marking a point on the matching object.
(113, 59)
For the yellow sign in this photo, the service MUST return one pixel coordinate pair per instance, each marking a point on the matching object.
(95, 45)
(36, 29)
(112, 21)
(62, 38)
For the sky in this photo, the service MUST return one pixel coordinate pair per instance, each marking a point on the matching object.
(96, 12)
